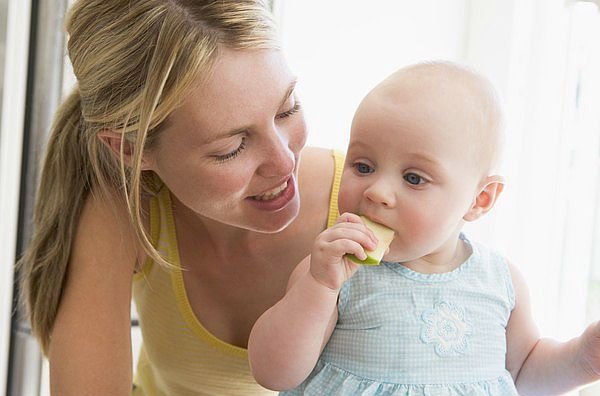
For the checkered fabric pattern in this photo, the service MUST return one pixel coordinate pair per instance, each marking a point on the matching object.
(401, 332)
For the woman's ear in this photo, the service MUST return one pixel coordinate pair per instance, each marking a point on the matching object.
(113, 140)
(486, 198)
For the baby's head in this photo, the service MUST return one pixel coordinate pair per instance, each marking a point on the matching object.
(423, 150)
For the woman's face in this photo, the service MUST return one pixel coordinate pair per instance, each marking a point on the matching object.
(230, 152)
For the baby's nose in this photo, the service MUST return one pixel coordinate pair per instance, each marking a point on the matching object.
(381, 193)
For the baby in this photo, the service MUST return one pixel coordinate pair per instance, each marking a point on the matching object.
(442, 314)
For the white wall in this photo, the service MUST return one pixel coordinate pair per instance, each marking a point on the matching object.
(341, 49)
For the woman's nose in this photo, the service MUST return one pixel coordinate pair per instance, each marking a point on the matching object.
(279, 160)
(381, 192)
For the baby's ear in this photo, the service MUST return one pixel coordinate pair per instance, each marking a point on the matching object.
(488, 194)
(113, 141)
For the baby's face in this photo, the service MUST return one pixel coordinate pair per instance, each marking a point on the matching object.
(411, 165)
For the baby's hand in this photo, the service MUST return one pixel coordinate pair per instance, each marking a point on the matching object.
(348, 236)
(589, 350)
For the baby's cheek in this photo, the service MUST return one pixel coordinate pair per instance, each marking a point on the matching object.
(418, 228)
(344, 206)
(347, 200)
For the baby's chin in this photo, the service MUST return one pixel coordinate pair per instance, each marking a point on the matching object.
(394, 258)
(397, 255)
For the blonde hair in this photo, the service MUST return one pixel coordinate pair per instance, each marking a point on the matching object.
(134, 61)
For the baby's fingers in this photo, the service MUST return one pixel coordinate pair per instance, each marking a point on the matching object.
(332, 251)
(354, 221)
(354, 232)
(348, 217)
(342, 247)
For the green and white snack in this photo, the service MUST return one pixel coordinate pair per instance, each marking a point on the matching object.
(384, 235)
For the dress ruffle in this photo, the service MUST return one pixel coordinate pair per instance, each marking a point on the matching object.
(330, 380)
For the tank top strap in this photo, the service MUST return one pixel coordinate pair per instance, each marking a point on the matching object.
(155, 231)
(338, 158)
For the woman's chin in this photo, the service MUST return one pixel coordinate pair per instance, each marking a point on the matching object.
(277, 222)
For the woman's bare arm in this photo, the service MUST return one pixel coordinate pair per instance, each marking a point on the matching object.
(90, 347)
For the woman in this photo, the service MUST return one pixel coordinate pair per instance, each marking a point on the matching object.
(175, 172)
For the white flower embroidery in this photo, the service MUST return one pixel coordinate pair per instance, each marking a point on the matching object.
(447, 328)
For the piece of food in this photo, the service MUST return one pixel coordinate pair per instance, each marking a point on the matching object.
(384, 235)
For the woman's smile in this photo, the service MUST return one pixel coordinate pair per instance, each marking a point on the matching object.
(266, 196)
(276, 198)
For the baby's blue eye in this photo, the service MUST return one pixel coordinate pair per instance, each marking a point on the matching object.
(363, 168)
(414, 179)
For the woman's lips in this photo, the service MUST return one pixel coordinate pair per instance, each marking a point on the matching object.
(276, 198)
(271, 194)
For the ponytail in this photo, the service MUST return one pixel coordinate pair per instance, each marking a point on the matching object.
(64, 183)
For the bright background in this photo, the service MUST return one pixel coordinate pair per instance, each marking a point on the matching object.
(543, 57)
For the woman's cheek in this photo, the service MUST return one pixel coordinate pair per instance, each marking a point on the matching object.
(228, 184)
(299, 136)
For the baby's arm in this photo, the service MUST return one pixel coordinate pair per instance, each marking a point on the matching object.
(288, 338)
(542, 366)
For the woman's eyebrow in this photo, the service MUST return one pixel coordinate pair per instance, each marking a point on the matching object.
(237, 131)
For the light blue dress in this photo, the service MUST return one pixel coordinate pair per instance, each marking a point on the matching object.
(401, 332)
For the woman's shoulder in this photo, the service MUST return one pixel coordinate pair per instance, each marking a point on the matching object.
(316, 177)
(316, 173)
(105, 228)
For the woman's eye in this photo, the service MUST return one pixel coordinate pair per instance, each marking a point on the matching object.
(291, 111)
(363, 168)
(414, 179)
(232, 154)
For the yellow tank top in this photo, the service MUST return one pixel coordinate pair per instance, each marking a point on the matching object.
(179, 357)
